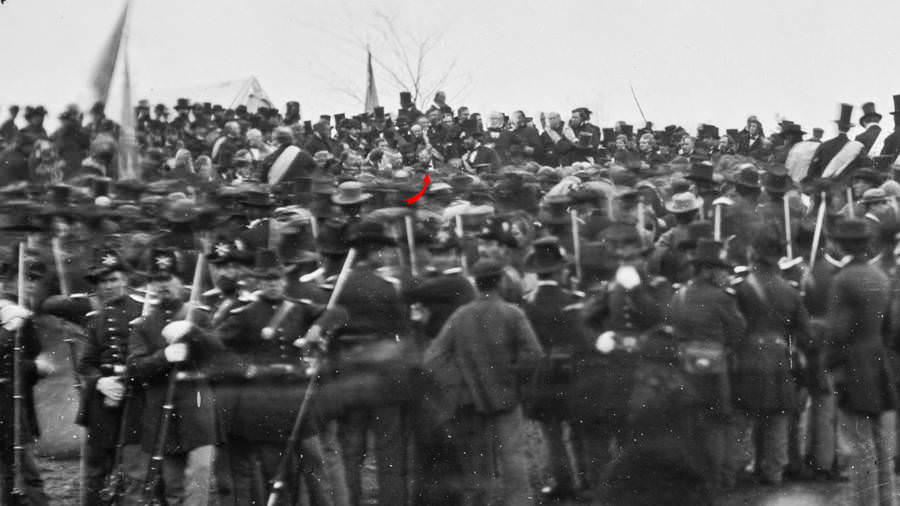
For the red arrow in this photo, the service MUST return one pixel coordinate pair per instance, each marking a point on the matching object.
(425, 183)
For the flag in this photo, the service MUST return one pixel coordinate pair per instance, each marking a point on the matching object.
(371, 92)
(106, 63)
(127, 132)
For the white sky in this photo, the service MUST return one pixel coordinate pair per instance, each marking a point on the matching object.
(690, 61)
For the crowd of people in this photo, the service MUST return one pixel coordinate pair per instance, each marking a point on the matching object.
(263, 305)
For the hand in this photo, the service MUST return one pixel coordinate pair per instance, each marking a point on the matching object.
(175, 331)
(313, 336)
(111, 387)
(529, 150)
(627, 276)
(44, 366)
(176, 352)
(13, 316)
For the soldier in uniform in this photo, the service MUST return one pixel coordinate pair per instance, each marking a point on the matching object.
(259, 338)
(551, 309)
(14, 317)
(617, 312)
(171, 338)
(109, 402)
(706, 323)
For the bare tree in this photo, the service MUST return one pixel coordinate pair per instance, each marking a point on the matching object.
(408, 56)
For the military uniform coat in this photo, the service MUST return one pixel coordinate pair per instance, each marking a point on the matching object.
(31, 348)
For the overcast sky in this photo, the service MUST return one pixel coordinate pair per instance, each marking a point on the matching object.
(690, 61)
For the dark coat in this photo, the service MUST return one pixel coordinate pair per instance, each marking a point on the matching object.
(528, 136)
(858, 359)
(194, 423)
(108, 330)
(31, 348)
(762, 380)
(499, 141)
(826, 151)
(316, 144)
(891, 146)
(302, 167)
(555, 152)
(868, 138)
(817, 289)
(441, 295)
(482, 354)
(483, 155)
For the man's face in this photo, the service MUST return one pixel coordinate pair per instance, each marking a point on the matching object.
(554, 119)
(112, 286)
(518, 118)
(644, 144)
(575, 120)
(859, 187)
(416, 130)
(753, 128)
(496, 121)
(434, 117)
(687, 143)
(448, 119)
(492, 250)
(469, 143)
(167, 290)
(464, 115)
(226, 276)
(620, 143)
(272, 287)
(439, 98)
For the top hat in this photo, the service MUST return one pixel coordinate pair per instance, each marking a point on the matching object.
(818, 132)
(107, 261)
(584, 111)
(896, 105)
(701, 171)
(546, 256)
(844, 120)
(709, 131)
(405, 98)
(732, 132)
(682, 203)
(792, 129)
(767, 242)
(71, 113)
(624, 240)
(183, 104)
(627, 130)
(339, 118)
(266, 265)
(349, 193)
(330, 240)
(241, 109)
(379, 113)
(695, 231)
(709, 253)
(869, 114)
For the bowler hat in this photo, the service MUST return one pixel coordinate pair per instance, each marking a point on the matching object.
(486, 268)
(546, 256)
(868, 174)
(184, 104)
(873, 195)
(851, 229)
(625, 240)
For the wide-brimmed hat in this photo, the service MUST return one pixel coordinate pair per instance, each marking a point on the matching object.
(682, 203)
(368, 233)
(868, 174)
(869, 114)
(747, 176)
(874, 195)
(709, 253)
(486, 268)
(546, 256)
(266, 265)
(349, 193)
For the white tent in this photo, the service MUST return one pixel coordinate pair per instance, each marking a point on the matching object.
(229, 94)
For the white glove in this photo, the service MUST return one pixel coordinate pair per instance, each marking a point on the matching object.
(176, 330)
(177, 352)
(13, 316)
(627, 277)
(111, 387)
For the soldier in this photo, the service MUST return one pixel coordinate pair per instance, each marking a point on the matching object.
(110, 403)
(168, 339)
(370, 313)
(707, 323)
(777, 326)
(259, 337)
(496, 242)
(618, 312)
(15, 317)
(866, 388)
(551, 311)
(482, 353)
(668, 259)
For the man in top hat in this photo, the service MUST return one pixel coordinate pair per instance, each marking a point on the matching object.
(497, 242)
(370, 313)
(704, 186)
(110, 402)
(35, 127)
(526, 136)
(484, 377)
(291, 113)
(181, 124)
(705, 318)
(100, 123)
(830, 148)
(891, 145)
(580, 121)
(869, 121)
(172, 338)
(8, 129)
(739, 219)
(617, 312)
(408, 107)
(15, 316)
(259, 340)
(553, 313)
(777, 183)
(321, 139)
(857, 359)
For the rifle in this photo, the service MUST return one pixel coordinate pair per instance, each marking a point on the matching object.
(64, 291)
(280, 482)
(153, 480)
(19, 486)
(115, 481)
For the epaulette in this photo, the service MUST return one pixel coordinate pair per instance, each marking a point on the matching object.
(730, 291)
(91, 314)
(211, 292)
(451, 271)
(735, 281)
(579, 294)
(203, 308)
(136, 298)
(136, 320)
(79, 296)
(578, 306)
(305, 301)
